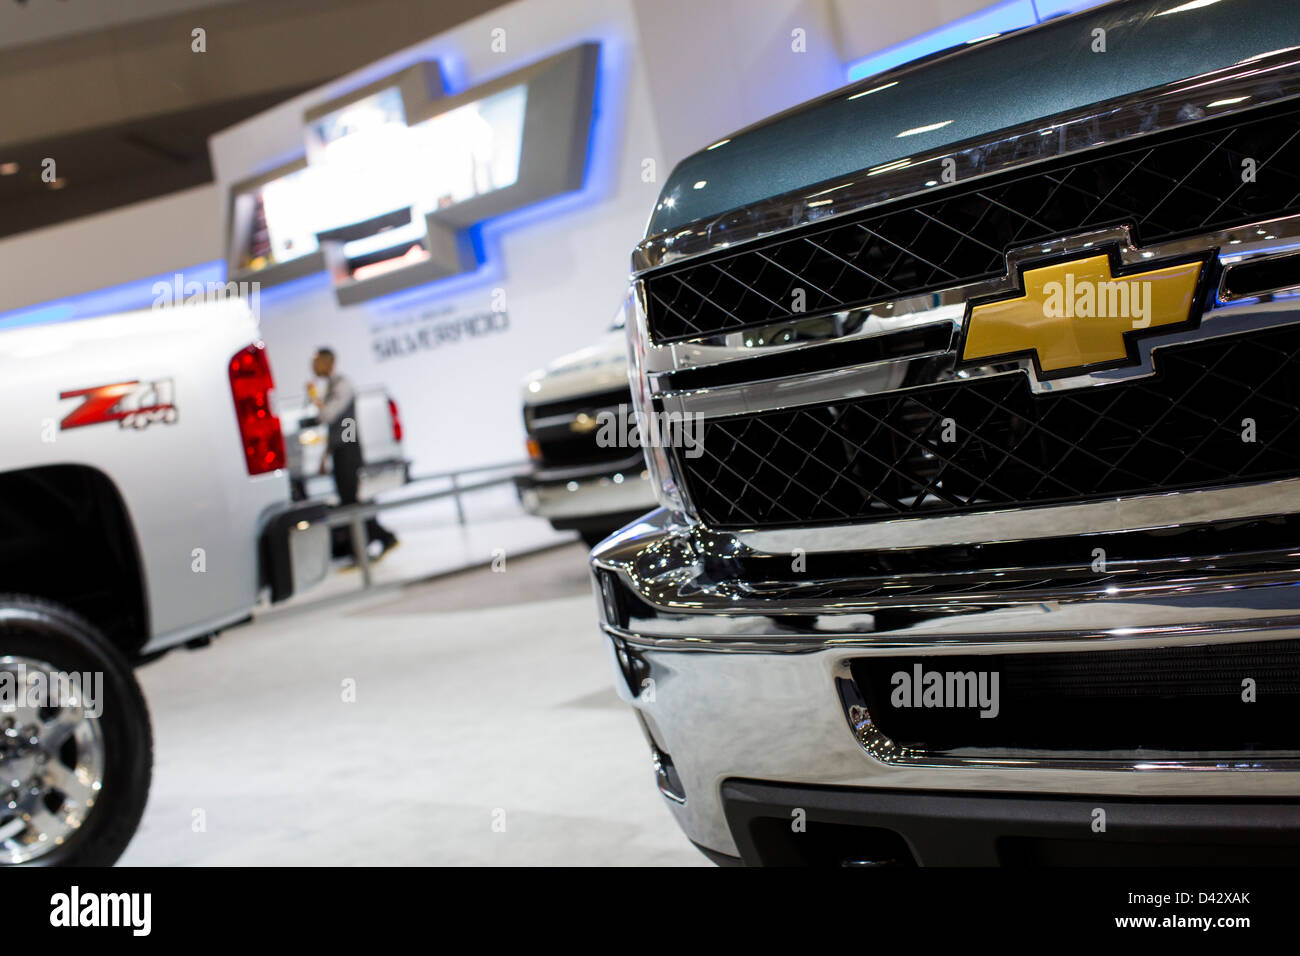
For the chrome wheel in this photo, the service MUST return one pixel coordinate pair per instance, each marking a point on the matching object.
(52, 760)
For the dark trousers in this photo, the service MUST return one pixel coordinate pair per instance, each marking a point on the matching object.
(346, 462)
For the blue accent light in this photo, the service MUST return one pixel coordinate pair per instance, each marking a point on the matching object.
(128, 297)
(999, 18)
(305, 285)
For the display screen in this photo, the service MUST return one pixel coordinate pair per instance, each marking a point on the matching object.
(373, 166)
(363, 154)
(278, 221)
(289, 206)
(473, 149)
(376, 195)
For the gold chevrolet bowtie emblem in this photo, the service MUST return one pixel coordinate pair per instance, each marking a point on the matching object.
(1083, 313)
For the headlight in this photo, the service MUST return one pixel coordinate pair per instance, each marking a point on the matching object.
(652, 444)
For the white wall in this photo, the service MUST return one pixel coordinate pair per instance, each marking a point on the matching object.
(171, 232)
(865, 28)
(720, 65)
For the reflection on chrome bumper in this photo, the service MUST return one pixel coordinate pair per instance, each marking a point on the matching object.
(591, 495)
(737, 677)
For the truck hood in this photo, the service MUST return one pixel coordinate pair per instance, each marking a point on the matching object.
(596, 368)
(972, 92)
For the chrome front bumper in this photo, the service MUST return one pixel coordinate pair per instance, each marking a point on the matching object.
(576, 494)
(733, 683)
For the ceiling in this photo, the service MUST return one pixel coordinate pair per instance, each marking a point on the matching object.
(124, 106)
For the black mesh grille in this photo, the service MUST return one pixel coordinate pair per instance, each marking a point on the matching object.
(886, 455)
(1169, 185)
(1168, 698)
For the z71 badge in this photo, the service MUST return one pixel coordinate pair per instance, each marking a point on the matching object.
(132, 404)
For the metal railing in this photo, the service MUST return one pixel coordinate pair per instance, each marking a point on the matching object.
(355, 516)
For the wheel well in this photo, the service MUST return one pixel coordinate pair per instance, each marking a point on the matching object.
(65, 536)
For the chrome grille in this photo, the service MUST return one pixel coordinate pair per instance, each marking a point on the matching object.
(1166, 186)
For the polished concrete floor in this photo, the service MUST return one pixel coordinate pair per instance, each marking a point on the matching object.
(466, 720)
(433, 541)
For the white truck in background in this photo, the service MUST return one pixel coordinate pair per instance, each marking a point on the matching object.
(144, 504)
(575, 481)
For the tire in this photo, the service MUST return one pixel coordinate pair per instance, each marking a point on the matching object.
(33, 630)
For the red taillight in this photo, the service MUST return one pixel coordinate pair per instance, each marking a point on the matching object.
(396, 419)
(251, 384)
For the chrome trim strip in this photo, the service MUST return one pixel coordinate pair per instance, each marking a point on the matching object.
(840, 384)
(690, 597)
(1238, 244)
(1231, 262)
(864, 322)
(662, 780)
(684, 603)
(887, 375)
(1259, 81)
(1138, 513)
(861, 645)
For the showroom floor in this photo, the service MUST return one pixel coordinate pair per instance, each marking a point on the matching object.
(433, 542)
(485, 730)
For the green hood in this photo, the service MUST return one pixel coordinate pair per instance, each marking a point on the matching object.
(973, 92)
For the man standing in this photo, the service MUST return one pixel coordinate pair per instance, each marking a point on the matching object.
(337, 409)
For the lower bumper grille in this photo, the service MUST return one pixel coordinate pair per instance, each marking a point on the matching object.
(876, 827)
(886, 455)
(1173, 699)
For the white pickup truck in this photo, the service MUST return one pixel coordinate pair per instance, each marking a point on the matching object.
(577, 480)
(144, 504)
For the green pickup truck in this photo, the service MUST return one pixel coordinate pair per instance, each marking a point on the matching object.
(992, 552)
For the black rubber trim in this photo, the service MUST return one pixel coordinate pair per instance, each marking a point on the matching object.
(965, 829)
